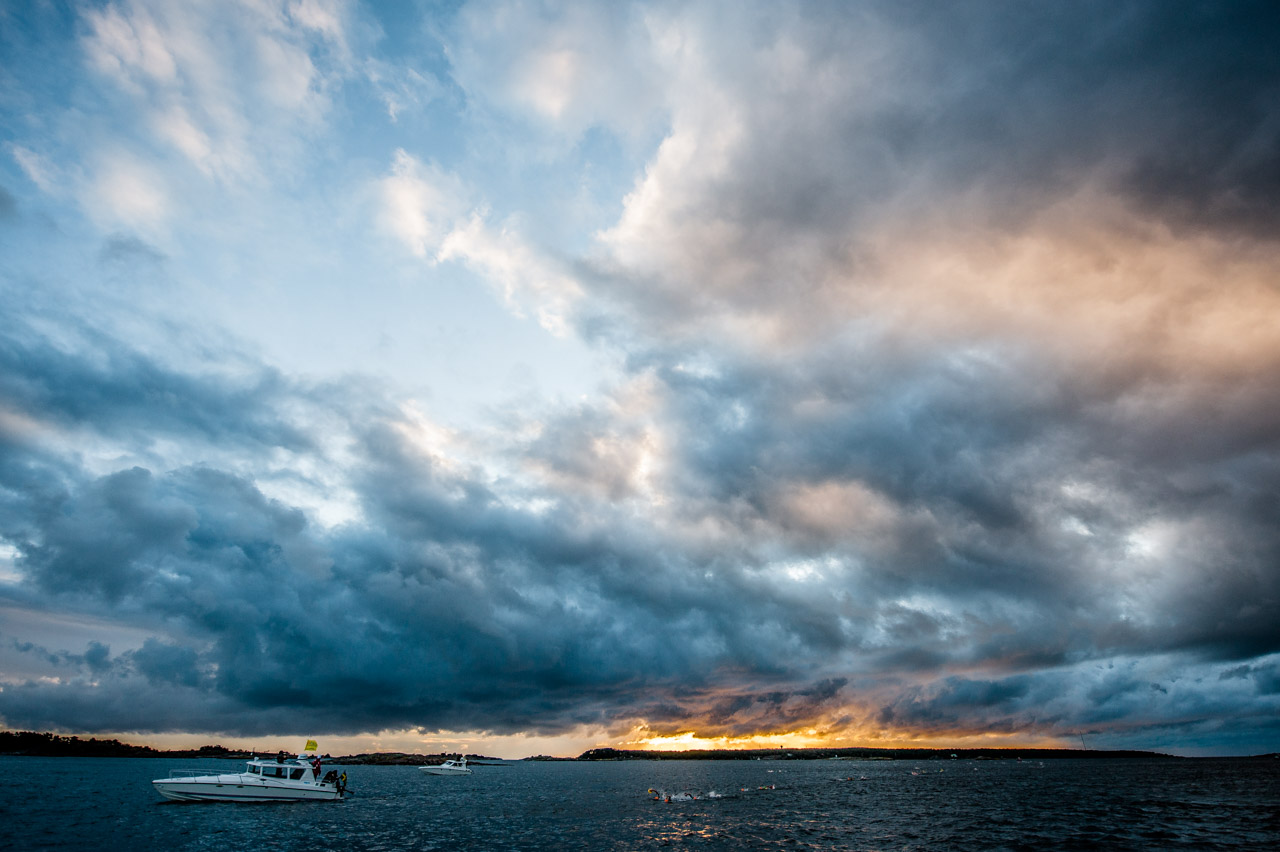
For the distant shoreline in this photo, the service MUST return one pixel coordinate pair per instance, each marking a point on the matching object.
(33, 744)
(870, 754)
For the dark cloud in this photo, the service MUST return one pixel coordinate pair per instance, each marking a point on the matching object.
(446, 584)
(974, 115)
(546, 620)
(127, 249)
(1175, 100)
(956, 703)
(96, 657)
(90, 380)
(162, 663)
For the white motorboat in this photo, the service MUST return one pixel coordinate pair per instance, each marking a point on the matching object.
(265, 779)
(449, 767)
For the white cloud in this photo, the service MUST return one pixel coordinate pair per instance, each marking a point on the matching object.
(549, 81)
(401, 88)
(425, 208)
(569, 67)
(527, 279)
(288, 74)
(178, 129)
(326, 17)
(232, 87)
(420, 204)
(35, 166)
(130, 192)
(129, 46)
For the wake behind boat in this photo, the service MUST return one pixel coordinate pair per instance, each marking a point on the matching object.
(449, 767)
(265, 779)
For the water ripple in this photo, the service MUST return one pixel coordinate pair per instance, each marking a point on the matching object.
(880, 806)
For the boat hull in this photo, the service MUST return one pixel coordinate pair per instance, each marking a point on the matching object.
(435, 770)
(235, 788)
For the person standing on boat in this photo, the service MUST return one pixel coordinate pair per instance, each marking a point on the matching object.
(315, 767)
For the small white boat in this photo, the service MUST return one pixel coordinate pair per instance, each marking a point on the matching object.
(265, 779)
(449, 767)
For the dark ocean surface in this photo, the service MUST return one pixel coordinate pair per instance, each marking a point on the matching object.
(1202, 804)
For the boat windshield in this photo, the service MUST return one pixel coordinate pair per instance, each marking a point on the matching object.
(253, 770)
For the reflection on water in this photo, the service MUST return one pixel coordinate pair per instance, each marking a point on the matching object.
(979, 805)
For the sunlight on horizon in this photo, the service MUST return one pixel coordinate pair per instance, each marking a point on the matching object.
(573, 744)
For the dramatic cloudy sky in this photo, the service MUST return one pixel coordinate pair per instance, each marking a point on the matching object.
(529, 376)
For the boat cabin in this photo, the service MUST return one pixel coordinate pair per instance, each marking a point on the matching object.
(300, 768)
(275, 770)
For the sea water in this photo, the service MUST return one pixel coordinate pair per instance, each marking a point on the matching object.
(109, 803)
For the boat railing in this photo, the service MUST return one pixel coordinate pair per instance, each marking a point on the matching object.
(189, 773)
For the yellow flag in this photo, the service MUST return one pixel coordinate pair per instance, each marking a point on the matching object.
(311, 746)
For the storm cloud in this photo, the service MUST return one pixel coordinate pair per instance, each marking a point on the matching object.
(945, 406)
